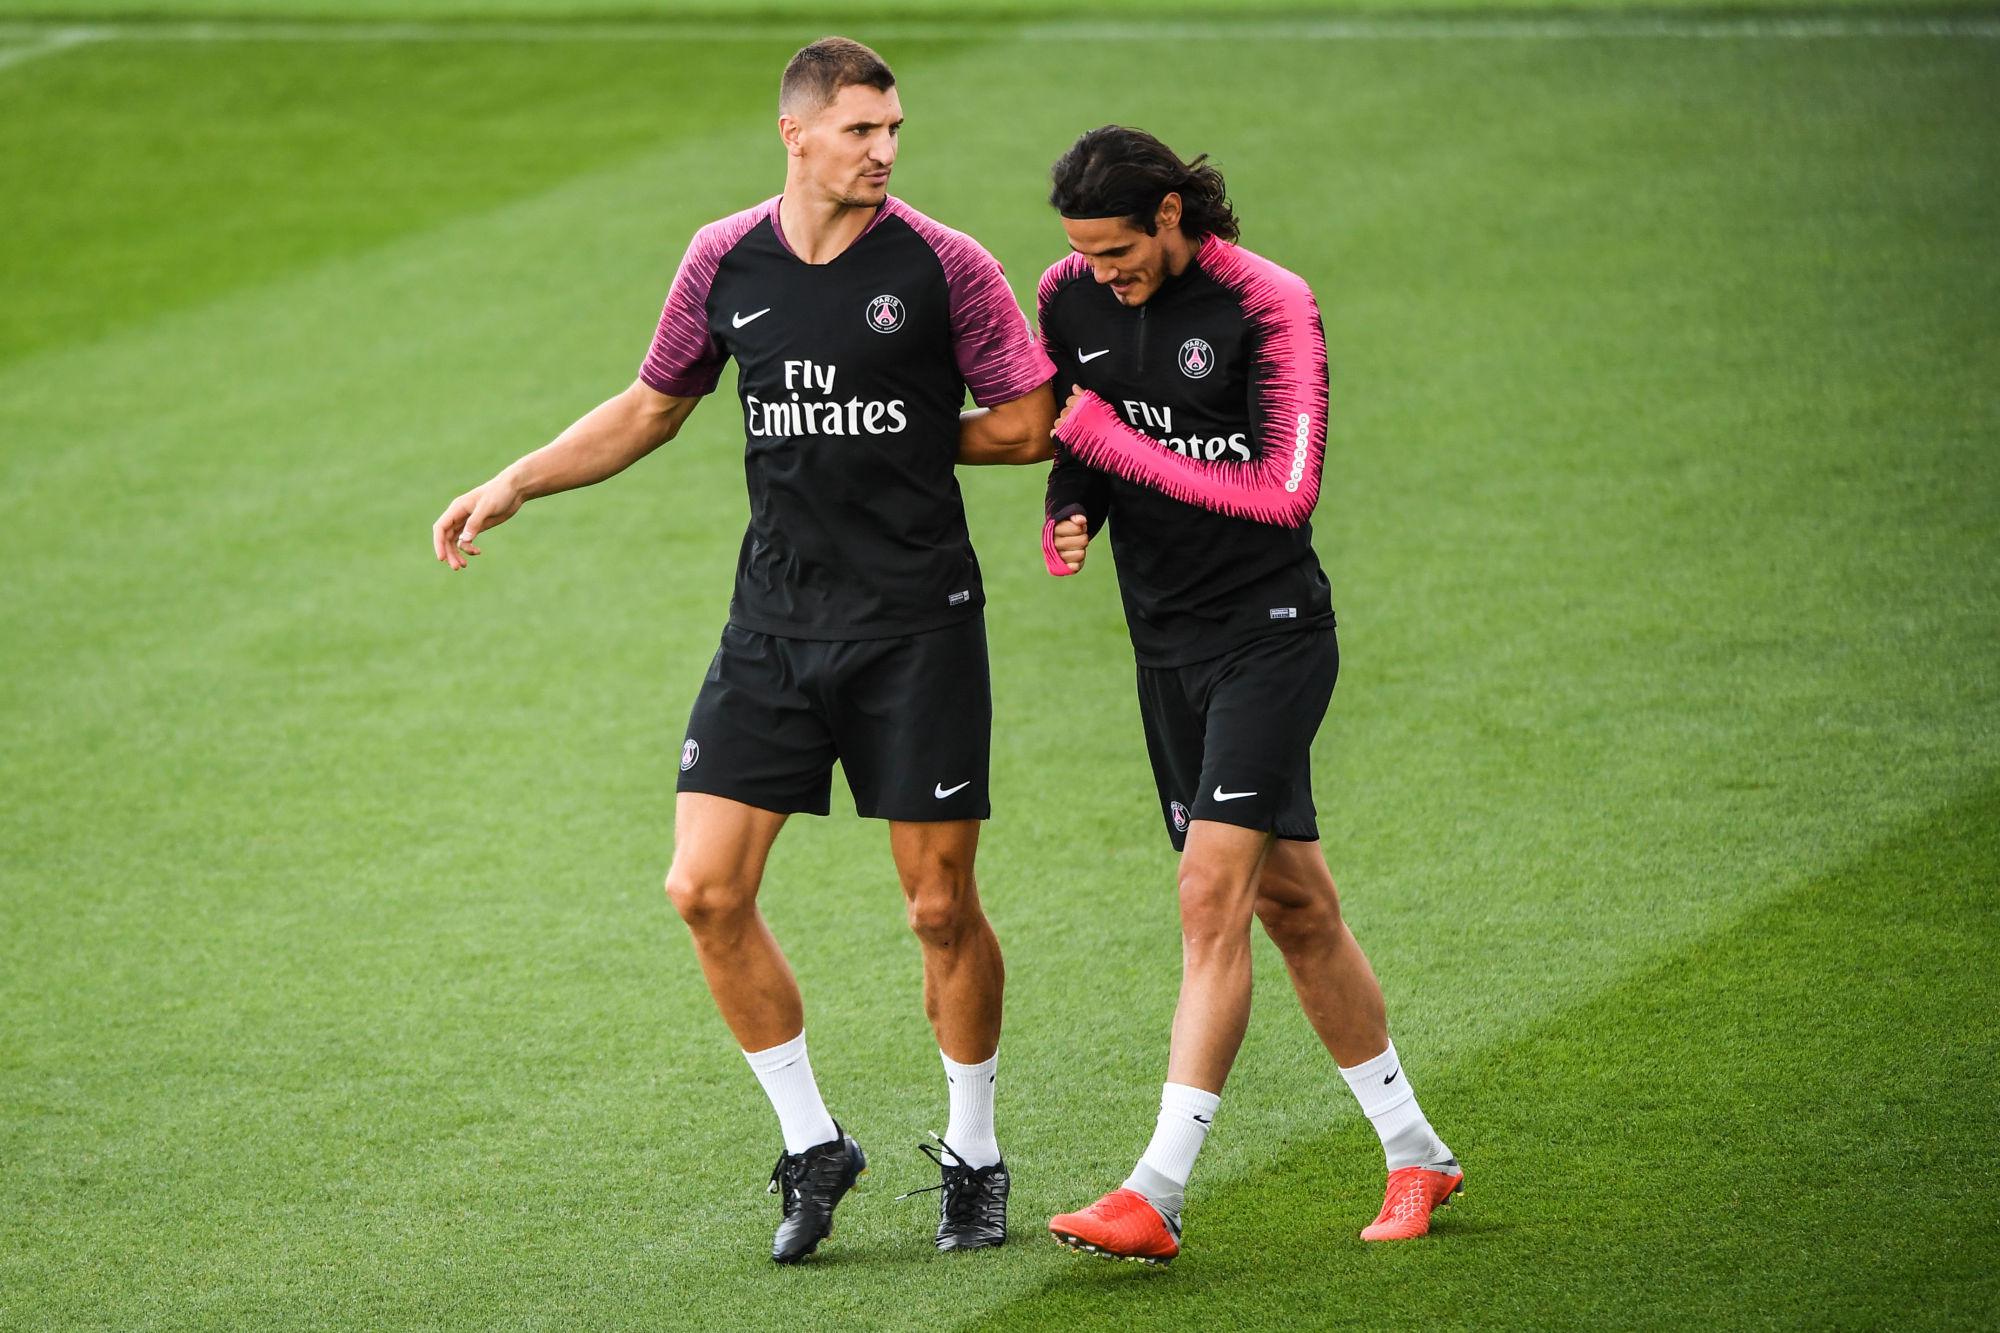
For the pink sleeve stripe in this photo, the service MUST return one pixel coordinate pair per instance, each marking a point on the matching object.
(998, 358)
(1058, 276)
(684, 359)
(1288, 407)
(1054, 278)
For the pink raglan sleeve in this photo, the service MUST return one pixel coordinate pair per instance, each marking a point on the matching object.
(685, 360)
(998, 358)
(1288, 406)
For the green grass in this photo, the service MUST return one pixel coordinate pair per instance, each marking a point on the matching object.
(791, 11)
(1663, 505)
(1730, 1139)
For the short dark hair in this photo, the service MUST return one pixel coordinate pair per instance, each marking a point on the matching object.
(1118, 172)
(815, 76)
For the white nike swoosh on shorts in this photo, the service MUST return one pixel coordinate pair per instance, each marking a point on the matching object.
(1221, 795)
(941, 791)
(738, 321)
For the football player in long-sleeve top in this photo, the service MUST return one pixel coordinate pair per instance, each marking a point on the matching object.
(1195, 380)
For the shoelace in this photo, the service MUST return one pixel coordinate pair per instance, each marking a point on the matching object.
(965, 1201)
(786, 1177)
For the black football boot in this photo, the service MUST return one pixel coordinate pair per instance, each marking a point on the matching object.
(812, 1182)
(972, 1210)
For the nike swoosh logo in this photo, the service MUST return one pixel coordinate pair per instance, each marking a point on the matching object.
(739, 321)
(1391, 1079)
(941, 791)
(1087, 357)
(1221, 795)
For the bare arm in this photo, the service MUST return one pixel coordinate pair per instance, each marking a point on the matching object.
(604, 442)
(1016, 432)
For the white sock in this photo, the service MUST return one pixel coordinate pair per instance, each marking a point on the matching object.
(1390, 1104)
(787, 1076)
(1162, 1174)
(970, 1132)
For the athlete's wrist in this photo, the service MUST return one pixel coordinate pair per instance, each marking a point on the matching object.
(1080, 423)
(513, 482)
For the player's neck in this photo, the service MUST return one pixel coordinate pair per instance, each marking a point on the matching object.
(819, 228)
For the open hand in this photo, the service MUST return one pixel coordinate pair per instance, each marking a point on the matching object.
(469, 515)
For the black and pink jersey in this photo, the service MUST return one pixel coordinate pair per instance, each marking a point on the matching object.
(851, 376)
(1200, 438)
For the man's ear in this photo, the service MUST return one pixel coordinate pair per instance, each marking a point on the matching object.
(1168, 215)
(791, 129)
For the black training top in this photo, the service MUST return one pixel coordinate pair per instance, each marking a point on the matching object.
(851, 375)
(1200, 437)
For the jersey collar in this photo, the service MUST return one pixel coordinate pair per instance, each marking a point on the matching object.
(778, 228)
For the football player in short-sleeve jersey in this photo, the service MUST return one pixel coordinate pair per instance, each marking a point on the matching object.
(856, 631)
(1195, 380)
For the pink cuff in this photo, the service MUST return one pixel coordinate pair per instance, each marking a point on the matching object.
(1057, 565)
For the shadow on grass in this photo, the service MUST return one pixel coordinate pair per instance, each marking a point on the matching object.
(1735, 1137)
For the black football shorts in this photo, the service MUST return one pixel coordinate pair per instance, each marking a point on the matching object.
(909, 719)
(1231, 738)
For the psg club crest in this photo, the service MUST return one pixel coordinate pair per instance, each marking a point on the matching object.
(689, 753)
(885, 314)
(1197, 358)
(1179, 812)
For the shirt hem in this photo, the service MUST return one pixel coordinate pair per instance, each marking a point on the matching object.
(777, 629)
(1223, 645)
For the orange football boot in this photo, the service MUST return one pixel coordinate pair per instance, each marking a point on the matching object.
(1121, 1225)
(1406, 1208)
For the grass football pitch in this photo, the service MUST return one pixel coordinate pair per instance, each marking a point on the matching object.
(1662, 510)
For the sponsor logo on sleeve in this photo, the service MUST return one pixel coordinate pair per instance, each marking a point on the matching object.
(1197, 358)
(885, 314)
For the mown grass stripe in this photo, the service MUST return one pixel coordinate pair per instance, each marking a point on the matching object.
(1442, 28)
(47, 45)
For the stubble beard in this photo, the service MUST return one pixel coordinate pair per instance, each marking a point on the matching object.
(856, 198)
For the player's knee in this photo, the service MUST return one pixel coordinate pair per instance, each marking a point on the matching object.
(706, 902)
(942, 911)
(1211, 906)
(1298, 924)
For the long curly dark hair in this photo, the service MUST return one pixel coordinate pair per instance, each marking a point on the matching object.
(1119, 172)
